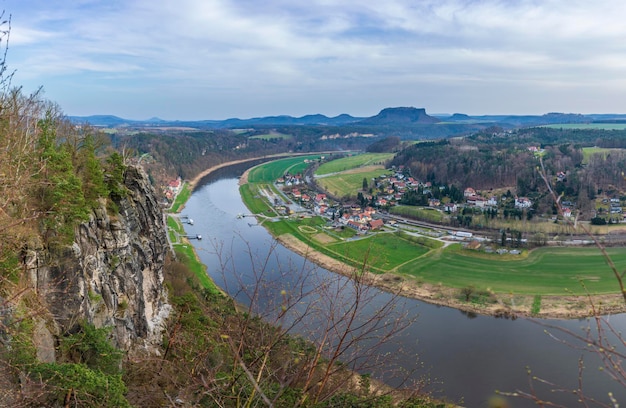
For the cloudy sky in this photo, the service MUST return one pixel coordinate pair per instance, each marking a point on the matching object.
(216, 59)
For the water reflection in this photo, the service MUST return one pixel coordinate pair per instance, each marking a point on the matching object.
(467, 356)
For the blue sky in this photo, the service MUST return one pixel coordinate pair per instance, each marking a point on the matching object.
(216, 59)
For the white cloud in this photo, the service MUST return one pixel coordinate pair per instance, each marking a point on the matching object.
(248, 49)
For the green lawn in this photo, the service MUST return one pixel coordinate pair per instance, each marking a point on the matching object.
(352, 162)
(545, 271)
(174, 228)
(588, 151)
(381, 251)
(185, 253)
(290, 226)
(255, 202)
(181, 198)
(269, 172)
(348, 184)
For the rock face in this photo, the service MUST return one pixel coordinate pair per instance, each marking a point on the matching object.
(401, 115)
(112, 276)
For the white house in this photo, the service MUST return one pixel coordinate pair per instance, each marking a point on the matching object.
(523, 202)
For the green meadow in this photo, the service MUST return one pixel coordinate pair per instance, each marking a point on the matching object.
(353, 162)
(185, 254)
(604, 151)
(601, 126)
(349, 183)
(181, 198)
(269, 172)
(544, 271)
(381, 252)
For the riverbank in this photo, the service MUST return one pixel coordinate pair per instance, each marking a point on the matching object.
(505, 305)
(193, 182)
(510, 306)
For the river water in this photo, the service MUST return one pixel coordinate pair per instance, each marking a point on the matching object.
(466, 358)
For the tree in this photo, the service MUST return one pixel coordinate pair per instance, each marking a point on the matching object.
(92, 173)
(59, 190)
(599, 337)
(337, 314)
(114, 175)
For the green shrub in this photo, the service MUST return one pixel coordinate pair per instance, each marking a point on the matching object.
(91, 346)
(536, 306)
(91, 388)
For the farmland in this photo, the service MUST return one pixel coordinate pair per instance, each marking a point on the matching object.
(353, 162)
(601, 126)
(346, 184)
(547, 271)
(543, 271)
(271, 171)
(589, 151)
(344, 177)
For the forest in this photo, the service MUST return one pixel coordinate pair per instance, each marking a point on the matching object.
(500, 160)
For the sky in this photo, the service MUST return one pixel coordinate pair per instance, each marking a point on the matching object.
(219, 59)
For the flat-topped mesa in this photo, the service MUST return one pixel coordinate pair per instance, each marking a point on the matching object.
(401, 115)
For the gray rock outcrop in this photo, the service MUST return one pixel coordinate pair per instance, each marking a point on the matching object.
(112, 275)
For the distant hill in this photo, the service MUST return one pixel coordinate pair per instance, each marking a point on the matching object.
(308, 120)
(405, 119)
(401, 116)
(459, 117)
(101, 120)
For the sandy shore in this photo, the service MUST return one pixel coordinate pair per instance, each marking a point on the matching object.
(557, 307)
(193, 182)
(196, 180)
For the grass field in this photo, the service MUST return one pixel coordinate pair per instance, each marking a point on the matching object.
(426, 214)
(383, 252)
(269, 172)
(174, 229)
(255, 201)
(181, 198)
(545, 271)
(185, 254)
(352, 162)
(291, 226)
(604, 126)
(588, 151)
(349, 183)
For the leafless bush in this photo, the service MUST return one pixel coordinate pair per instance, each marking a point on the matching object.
(348, 323)
(598, 338)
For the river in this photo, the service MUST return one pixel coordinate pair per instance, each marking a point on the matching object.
(466, 357)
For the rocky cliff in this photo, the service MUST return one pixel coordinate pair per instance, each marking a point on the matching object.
(111, 276)
(401, 116)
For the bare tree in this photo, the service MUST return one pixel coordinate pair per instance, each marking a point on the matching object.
(349, 329)
(599, 338)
